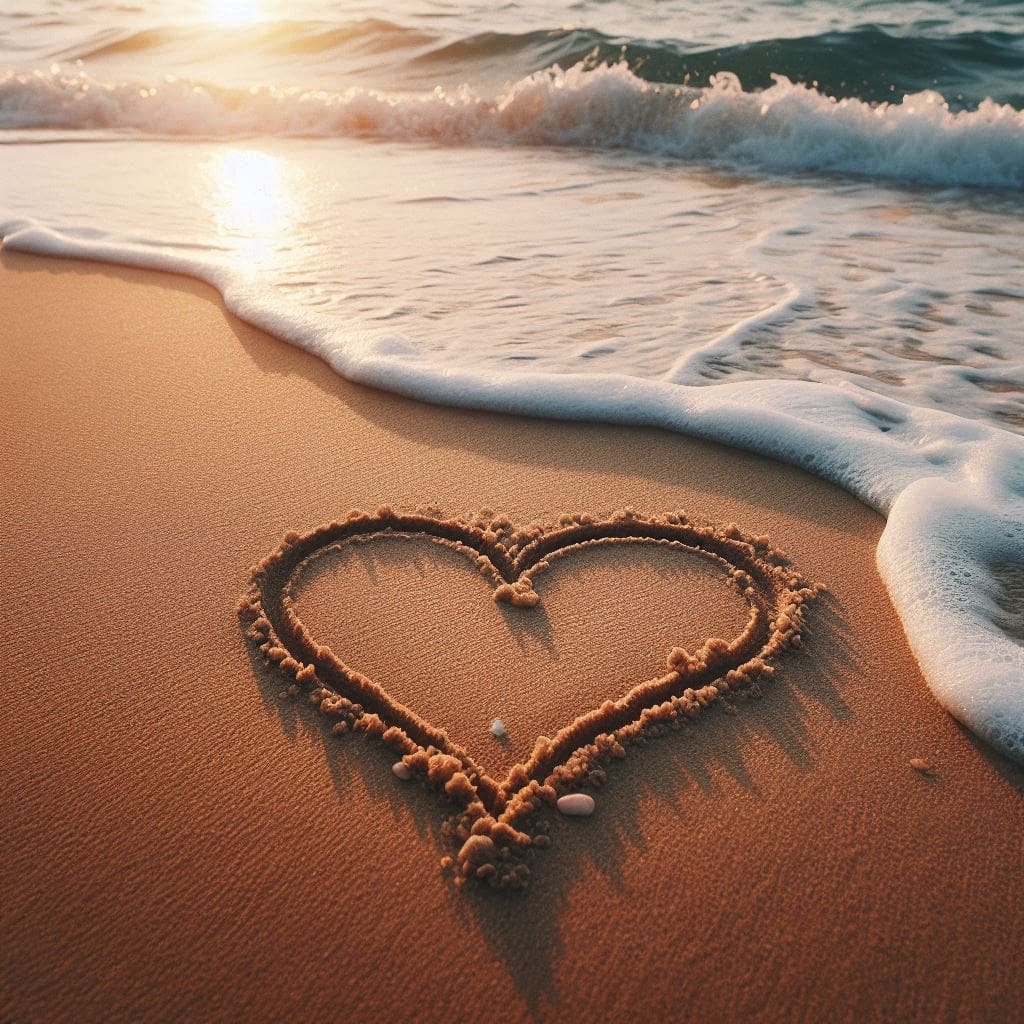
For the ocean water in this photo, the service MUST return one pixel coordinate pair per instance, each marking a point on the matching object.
(796, 226)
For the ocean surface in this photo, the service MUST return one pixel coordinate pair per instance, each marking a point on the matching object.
(796, 226)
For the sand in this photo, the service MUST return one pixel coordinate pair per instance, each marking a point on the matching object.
(180, 843)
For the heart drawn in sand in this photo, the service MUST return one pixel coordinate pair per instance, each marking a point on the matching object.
(497, 822)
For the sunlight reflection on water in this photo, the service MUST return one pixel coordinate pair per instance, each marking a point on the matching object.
(234, 12)
(253, 198)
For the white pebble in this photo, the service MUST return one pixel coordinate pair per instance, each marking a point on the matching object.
(578, 805)
(498, 729)
(402, 770)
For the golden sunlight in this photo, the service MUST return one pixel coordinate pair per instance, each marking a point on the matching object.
(251, 198)
(233, 12)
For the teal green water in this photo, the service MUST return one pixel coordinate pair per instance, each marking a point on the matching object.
(965, 49)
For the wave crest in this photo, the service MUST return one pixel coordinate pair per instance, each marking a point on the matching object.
(864, 61)
(786, 128)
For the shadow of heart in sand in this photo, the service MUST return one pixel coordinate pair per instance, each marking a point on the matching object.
(497, 823)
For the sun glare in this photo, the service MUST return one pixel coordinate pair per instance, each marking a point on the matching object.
(251, 198)
(233, 12)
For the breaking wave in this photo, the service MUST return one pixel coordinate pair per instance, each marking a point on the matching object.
(785, 128)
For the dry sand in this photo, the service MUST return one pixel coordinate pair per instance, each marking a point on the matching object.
(178, 843)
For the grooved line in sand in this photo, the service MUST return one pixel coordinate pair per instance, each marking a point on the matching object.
(498, 823)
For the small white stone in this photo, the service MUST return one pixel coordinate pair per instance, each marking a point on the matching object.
(577, 805)
(402, 770)
(498, 729)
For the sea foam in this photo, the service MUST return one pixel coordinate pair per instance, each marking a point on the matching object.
(786, 128)
(952, 489)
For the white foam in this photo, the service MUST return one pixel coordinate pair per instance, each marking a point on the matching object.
(952, 489)
(788, 128)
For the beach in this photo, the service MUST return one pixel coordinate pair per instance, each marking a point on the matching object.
(184, 842)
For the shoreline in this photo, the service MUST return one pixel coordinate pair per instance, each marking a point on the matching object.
(181, 840)
(945, 484)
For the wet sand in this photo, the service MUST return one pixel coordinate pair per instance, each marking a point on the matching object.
(181, 843)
